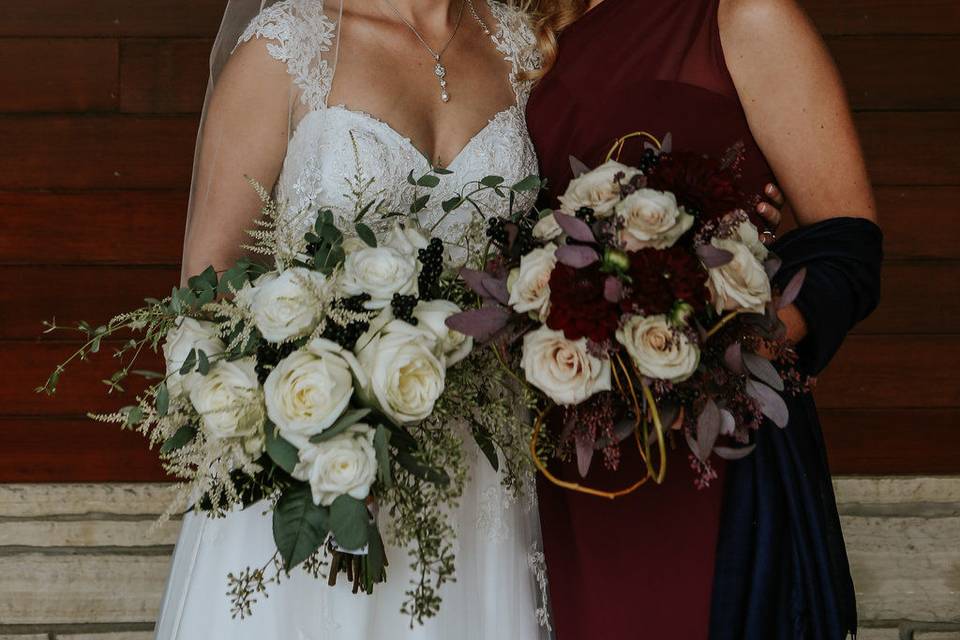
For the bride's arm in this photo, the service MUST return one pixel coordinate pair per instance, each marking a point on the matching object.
(245, 134)
(798, 113)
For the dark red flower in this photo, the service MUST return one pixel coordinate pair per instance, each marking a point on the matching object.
(699, 184)
(662, 277)
(577, 305)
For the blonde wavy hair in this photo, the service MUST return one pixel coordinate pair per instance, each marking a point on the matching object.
(549, 18)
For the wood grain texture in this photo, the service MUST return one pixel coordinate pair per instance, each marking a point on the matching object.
(884, 16)
(911, 148)
(96, 152)
(58, 75)
(103, 227)
(111, 18)
(918, 222)
(163, 76)
(917, 298)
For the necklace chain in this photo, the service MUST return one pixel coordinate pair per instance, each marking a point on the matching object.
(439, 69)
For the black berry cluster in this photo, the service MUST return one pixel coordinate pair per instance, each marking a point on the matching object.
(403, 307)
(268, 355)
(586, 214)
(345, 336)
(432, 260)
(497, 231)
(648, 161)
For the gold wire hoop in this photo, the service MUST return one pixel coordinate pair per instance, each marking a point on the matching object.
(622, 140)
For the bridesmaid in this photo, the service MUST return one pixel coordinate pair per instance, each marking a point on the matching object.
(759, 555)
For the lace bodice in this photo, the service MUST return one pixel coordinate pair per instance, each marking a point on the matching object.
(338, 156)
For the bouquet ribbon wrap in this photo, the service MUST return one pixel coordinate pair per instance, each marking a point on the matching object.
(782, 571)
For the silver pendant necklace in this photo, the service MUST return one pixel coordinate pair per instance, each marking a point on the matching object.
(439, 69)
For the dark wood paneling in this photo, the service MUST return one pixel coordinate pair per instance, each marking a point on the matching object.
(58, 75)
(121, 227)
(877, 442)
(880, 372)
(905, 148)
(901, 72)
(96, 152)
(917, 298)
(885, 16)
(30, 295)
(163, 76)
(919, 222)
(145, 18)
(74, 450)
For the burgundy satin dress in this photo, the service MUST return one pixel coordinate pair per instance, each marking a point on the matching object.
(640, 566)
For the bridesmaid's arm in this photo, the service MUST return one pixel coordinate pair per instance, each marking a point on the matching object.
(245, 134)
(798, 113)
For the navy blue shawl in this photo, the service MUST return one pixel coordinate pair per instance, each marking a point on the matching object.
(782, 570)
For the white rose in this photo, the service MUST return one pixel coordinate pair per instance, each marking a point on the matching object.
(346, 464)
(284, 305)
(230, 402)
(309, 389)
(353, 243)
(563, 369)
(452, 345)
(741, 283)
(596, 189)
(547, 228)
(651, 218)
(188, 334)
(748, 235)
(529, 285)
(657, 349)
(379, 272)
(404, 376)
(407, 238)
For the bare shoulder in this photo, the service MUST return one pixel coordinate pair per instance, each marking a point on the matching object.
(763, 18)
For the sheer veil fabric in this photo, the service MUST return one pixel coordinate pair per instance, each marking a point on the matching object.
(500, 587)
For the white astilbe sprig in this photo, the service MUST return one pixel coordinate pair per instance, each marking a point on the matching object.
(277, 234)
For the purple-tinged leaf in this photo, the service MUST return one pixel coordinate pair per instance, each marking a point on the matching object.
(762, 370)
(621, 431)
(474, 280)
(708, 428)
(733, 358)
(731, 453)
(512, 232)
(728, 424)
(694, 449)
(584, 441)
(481, 324)
(578, 168)
(669, 413)
(713, 257)
(497, 289)
(574, 227)
(612, 289)
(772, 265)
(576, 255)
(792, 289)
(666, 145)
(770, 402)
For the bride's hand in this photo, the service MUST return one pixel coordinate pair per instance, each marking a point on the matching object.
(771, 210)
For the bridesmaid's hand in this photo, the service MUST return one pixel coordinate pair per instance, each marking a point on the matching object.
(771, 210)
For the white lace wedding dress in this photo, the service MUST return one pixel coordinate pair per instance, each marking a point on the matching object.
(499, 589)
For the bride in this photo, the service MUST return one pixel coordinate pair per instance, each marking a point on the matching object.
(325, 99)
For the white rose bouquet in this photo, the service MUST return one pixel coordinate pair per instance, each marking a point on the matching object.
(640, 308)
(320, 380)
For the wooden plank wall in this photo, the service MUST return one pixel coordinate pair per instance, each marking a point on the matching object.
(97, 123)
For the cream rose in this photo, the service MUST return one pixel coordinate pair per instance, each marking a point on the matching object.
(596, 189)
(230, 402)
(379, 272)
(309, 389)
(741, 283)
(547, 228)
(404, 375)
(529, 285)
(563, 369)
(452, 345)
(407, 238)
(346, 464)
(657, 349)
(187, 335)
(284, 305)
(748, 235)
(651, 218)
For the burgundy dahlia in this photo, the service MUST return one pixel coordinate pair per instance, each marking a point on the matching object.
(662, 277)
(578, 306)
(699, 184)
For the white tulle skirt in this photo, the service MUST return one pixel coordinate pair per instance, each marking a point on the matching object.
(498, 594)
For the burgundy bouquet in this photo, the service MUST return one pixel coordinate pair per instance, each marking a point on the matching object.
(639, 311)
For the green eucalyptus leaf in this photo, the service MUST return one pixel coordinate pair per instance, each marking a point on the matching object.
(283, 454)
(428, 180)
(203, 363)
(485, 442)
(491, 181)
(419, 204)
(163, 399)
(376, 559)
(349, 522)
(346, 421)
(300, 527)
(149, 375)
(414, 465)
(189, 363)
(180, 439)
(440, 171)
(411, 179)
(381, 442)
(529, 183)
(366, 234)
(451, 204)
